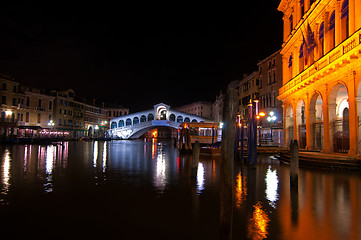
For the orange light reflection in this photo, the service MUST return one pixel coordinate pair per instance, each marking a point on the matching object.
(257, 228)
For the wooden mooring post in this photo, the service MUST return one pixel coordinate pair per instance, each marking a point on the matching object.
(294, 165)
(195, 160)
(227, 164)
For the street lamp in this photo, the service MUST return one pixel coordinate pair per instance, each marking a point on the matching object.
(271, 119)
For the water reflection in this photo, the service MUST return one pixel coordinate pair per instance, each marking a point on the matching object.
(160, 179)
(48, 187)
(240, 189)
(95, 153)
(271, 186)
(200, 177)
(258, 224)
(325, 205)
(5, 173)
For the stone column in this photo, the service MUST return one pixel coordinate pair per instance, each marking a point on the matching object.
(326, 123)
(357, 17)
(353, 121)
(337, 23)
(351, 16)
(295, 127)
(358, 108)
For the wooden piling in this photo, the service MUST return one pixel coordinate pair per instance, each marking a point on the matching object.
(294, 159)
(227, 159)
(195, 160)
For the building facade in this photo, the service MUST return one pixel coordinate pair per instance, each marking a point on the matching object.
(200, 108)
(270, 80)
(321, 90)
(248, 89)
(10, 112)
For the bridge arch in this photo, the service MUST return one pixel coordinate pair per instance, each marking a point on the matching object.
(121, 123)
(113, 125)
(143, 118)
(179, 119)
(128, 122)
(150, 117)
(172, 117)
(135, 120)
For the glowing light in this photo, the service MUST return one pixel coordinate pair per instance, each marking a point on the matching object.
(241, 189)
(221, 125)
(160, 177)
(271, 186)
(104, 155)
(200, 177)
(95, 154)
(262, 114)
(8, 112)
(49, 163)
(257, 228)
(49, 159)
(6, 172)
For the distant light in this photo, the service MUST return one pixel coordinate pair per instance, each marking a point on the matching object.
(96, 127)
(8, 112)
(221, 125)
(261, 114)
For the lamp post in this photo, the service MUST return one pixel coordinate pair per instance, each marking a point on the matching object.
(260, 114)
(271, 119)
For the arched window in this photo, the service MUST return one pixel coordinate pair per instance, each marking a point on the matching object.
(135, 120)
(187, 119)
(321, 34)
(290, 61)
(113, 125)
(150, 117)
(143, 118)
(344, 20)
(128, 122)
(194, 120)
(179, 119)
(172, 117)
(331, 29)
(301, 58)
(121, 123)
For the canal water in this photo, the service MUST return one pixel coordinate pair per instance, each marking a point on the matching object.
(144, 190)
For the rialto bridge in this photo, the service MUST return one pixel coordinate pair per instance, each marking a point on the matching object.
(136, 124)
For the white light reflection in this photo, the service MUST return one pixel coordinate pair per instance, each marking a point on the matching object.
(95, 153)
(160, 177)
(200, 177)
(49, 159)
(49, 165)
(104, 155)
(6, 172)
(271, 186)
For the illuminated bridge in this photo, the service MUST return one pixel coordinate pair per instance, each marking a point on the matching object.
(136, 124)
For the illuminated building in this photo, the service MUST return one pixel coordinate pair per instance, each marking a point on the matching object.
(248, 89)
(270, 80)
(321, 90)
(35, 110)
(200, 108)
(9, 106)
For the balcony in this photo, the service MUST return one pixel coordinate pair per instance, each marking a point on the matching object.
(333, 60)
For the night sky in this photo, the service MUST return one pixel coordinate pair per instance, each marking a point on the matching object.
(137, 55)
